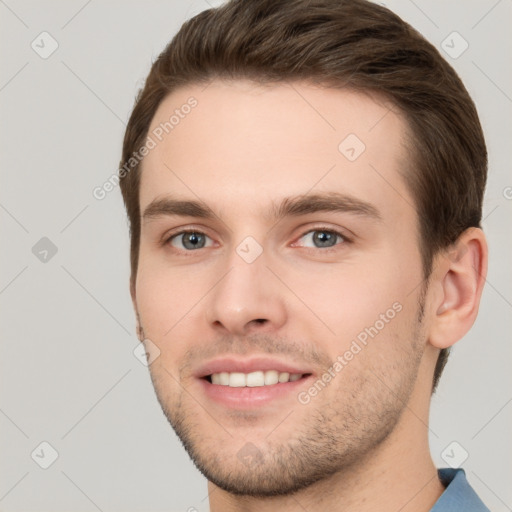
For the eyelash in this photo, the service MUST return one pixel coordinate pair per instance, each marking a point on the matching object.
(345, 239)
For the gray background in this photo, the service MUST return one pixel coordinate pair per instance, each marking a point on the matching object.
(68, 373)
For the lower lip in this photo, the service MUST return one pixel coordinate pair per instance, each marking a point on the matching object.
(249, 398)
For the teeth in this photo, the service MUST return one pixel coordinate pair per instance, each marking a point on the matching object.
(237, 380)
(271, 377)
(253, 379)
(284, 377)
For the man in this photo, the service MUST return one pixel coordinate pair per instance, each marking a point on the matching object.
(304, 185)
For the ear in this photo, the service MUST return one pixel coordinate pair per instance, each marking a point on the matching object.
(133, 294)
(459, 278)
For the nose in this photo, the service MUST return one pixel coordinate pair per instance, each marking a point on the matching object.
(249, 298)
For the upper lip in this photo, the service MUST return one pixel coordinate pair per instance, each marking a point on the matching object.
(248, 365)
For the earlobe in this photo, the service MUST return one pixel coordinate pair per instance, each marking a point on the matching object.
(461, 273)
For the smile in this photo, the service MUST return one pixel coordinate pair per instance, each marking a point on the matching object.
(253, 379)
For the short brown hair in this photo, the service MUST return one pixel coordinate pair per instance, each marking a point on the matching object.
(351, 43)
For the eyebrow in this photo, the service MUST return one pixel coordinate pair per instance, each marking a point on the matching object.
(289, 207)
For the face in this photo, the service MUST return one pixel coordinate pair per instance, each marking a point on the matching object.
(278, 279)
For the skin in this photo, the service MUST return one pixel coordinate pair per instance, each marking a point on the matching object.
(362, 442)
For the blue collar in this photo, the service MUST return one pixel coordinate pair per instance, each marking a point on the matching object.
(458, 496)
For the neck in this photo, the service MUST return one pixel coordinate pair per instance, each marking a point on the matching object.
(399, 474)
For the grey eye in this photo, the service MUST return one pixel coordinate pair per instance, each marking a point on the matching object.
(322, 238)
(189, 240)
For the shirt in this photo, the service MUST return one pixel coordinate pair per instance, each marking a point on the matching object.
(458, 496)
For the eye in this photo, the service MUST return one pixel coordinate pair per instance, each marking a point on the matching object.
(189, 240)
(323, 238)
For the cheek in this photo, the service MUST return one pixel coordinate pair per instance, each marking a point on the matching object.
(166, 296)
(329, 304)
(349, 299)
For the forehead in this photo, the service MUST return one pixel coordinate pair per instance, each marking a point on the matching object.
(251, 144)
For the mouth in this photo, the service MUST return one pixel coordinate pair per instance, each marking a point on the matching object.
(251, 383)
(253, 379)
